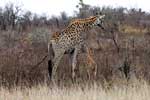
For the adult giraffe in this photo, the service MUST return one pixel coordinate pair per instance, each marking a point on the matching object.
(70, 40)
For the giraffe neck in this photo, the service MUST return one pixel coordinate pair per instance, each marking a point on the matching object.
(87, 25)
(80, 25)
(84, 24)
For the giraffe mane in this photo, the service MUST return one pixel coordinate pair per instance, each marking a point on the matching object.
(83, 20)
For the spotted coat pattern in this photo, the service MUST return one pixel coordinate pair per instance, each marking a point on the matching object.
(71, 39)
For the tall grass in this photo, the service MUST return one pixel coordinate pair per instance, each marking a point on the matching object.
(137, 90)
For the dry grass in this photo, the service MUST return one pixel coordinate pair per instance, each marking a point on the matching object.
(132, 29)
(133, 91)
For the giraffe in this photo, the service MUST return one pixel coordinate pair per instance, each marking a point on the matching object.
(71, 40)
(91, 64)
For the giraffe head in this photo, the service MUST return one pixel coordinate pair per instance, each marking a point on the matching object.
(99, 21)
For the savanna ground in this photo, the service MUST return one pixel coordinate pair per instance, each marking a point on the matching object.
(125, 46)
(137, 90)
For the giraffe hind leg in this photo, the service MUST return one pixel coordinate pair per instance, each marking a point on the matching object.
(55, 64)
(50, 62)
(50, 67)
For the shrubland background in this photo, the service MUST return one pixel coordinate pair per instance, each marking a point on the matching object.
(24, 37)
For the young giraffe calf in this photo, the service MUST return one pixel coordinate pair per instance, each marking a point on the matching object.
(91, 64)
(70, 40)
